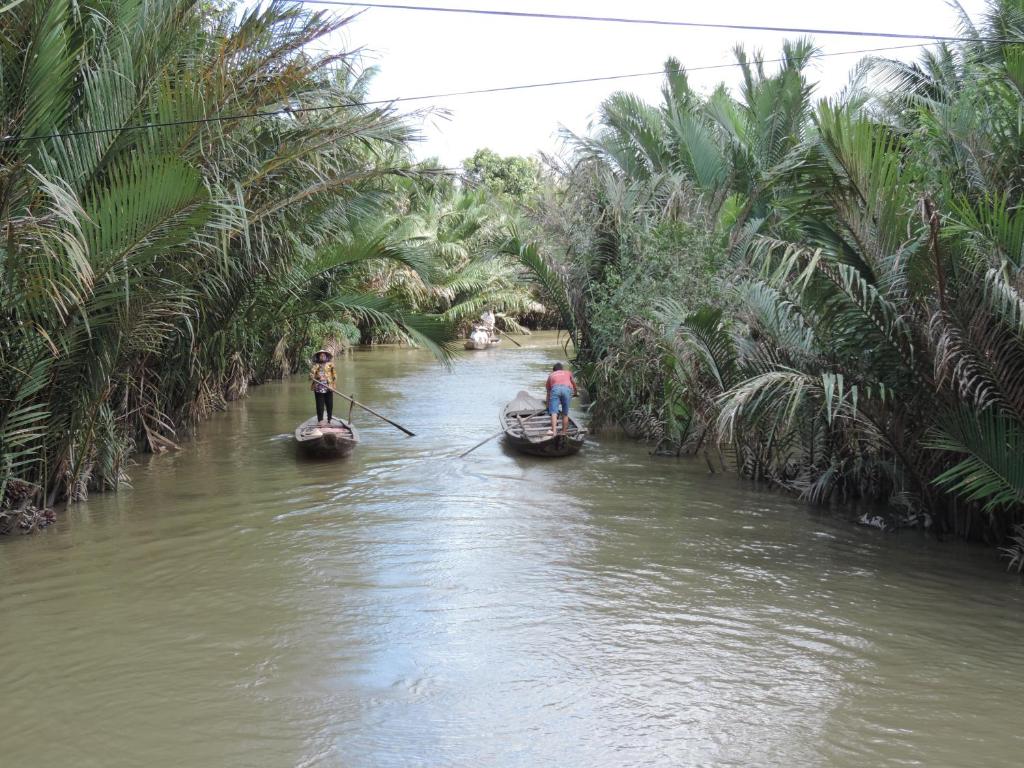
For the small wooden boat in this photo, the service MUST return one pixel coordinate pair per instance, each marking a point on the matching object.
(337, 439)
(476, 344)
(526, 422)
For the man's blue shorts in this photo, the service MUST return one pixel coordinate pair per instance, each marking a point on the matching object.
(560, 396)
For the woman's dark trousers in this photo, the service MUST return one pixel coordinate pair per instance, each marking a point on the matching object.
(324, 400)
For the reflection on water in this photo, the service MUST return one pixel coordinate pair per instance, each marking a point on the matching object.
(243, 607)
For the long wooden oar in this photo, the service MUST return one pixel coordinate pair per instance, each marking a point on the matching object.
(368, 409)
(485, 440)
(507, 336)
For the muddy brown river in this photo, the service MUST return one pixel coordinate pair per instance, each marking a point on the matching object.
(239, 606)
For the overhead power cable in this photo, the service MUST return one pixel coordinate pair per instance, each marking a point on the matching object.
(423, 97)
(659, 22)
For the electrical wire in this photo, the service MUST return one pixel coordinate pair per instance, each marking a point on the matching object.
(657, 22)
(423, 97)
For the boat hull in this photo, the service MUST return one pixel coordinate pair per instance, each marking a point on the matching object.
(473, 345)
(335, 441)
(554, 447)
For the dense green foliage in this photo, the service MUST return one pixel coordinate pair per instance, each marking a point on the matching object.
(455, 231)
(147, 276)
(827, 294)
(824, 295)
(516, 177)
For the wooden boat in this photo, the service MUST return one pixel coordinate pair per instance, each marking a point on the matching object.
(526, 422)
(337, 439)
(473, 344)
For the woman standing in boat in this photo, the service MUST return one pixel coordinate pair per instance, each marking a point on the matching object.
(325, 378)
(561, 389)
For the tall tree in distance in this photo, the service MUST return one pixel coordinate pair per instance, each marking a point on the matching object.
(517, 177)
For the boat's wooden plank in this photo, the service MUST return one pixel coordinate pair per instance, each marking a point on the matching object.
(547, 427)
(539, 423)
(535, 420)
(539, 437)
(546, 422)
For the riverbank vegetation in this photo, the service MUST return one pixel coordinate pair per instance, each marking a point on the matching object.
(191, 198)
(823, 294)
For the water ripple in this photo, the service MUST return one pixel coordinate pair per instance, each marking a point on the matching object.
(405, 607)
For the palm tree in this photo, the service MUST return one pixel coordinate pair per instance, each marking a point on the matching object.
(867, 341)
(136, 260)
(455, 231)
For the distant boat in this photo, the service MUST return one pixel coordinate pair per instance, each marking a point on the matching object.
(525, 422)
(337, 439)
(481, 340)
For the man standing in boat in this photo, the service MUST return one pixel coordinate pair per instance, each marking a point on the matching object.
(561, 386)
(487, 320)
(325, 378)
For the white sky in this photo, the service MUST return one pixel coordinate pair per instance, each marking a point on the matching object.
(423, 53)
